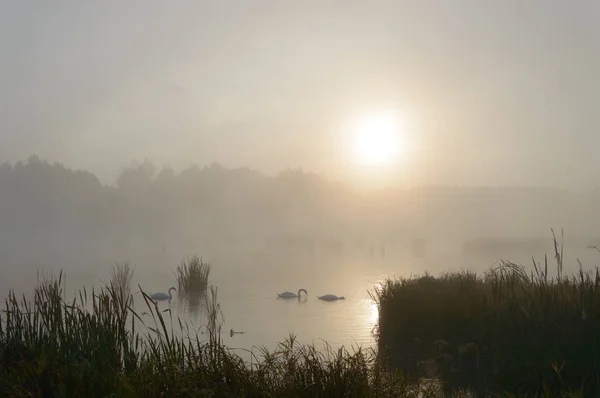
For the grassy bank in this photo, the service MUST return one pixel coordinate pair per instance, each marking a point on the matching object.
(506, 330)
(53, 347)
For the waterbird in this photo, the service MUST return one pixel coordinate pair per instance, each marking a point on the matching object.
(161, 296)
(331, 297)
(286, 295)
(232, 332)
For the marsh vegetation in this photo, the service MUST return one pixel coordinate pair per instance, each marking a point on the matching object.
(192, 282)
(508, 330)
(56, 347)
(505, 331)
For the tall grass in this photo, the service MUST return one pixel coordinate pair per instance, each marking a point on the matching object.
(44, 279)
(507, 330)
(214, 314)
(121, 275)
(52, 347)
(192, 280)
(56, 347)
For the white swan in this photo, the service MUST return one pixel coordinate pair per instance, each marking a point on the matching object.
(331, 297)
(286, 295)
(160, 296)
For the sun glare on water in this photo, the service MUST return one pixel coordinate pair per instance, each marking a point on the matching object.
(378, 139)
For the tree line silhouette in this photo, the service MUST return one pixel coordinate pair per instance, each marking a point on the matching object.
(55, 214)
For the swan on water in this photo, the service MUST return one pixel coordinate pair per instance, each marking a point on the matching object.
(331, 297)
(287, 295)
(161, 296)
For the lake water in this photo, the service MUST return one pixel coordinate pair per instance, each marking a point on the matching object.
(248, 285)
(249, 303)
(247, 292)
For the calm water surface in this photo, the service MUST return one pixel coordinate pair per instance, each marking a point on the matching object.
(248, 287)
(247, 295)
(249, 304)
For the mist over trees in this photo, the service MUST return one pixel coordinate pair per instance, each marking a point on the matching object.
(54, 216)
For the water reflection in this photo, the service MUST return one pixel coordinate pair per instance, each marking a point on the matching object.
(374, 317)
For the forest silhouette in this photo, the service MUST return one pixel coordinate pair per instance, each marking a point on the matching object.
(55, 216)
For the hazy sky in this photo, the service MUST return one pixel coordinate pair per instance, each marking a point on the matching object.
(503, 92)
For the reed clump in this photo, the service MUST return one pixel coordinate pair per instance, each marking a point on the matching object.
(97, 345)
(508, 330)
(192, 280)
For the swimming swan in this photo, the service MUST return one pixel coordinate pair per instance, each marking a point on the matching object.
(160, 296)
(286, 295)
(331, 297)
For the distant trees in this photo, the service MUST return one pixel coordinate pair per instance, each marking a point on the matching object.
(46, 206)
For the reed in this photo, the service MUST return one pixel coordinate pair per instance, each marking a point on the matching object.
(192, 280)
(508, 330)
(50, 346)
(530, 334)
(121, 275)
(214, 315)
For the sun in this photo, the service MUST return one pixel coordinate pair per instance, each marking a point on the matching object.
(378, 139)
